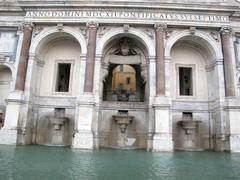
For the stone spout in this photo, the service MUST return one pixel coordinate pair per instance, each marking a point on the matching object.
(58, 122)
(189, 126)
(123, 121)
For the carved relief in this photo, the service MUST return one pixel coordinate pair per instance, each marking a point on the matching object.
(192, 30)
(215, 36)
(125, 48)
(126, 27)
(168, 33)
(149, 32)
(36, 31)
(102, 30)
(83, 31)
(60, 27)
(144, 72)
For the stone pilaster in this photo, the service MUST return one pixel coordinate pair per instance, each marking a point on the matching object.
(227, 57)
(162, 139)
(23, 61)
(91, 48)
(160, 64)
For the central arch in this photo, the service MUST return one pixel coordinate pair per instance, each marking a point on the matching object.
(124, 53)
(132, 32)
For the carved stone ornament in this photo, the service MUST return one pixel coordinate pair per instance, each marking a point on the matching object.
(60, 27)
(168, 33)
(149, 32)
(160, 27)
(104, 74)
(226, 30)
(102, 30)
(83, 31)
(215, 36)
(125, 47)
(126, 27)
(36, 31)
(92, 25)
(192, 30)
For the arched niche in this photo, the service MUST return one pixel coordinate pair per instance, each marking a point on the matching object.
(195, 54)
(201, 39)
(196, 80)
(54, 32)
(58, 57)
(124, 51)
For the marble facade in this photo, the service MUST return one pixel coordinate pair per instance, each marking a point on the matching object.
(35, 36)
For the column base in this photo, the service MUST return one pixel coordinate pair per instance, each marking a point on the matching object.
(149, 141)
(162, 143)
(24, 136)
(222, 144)
(235, 143)
(8, 136)
(83, 140)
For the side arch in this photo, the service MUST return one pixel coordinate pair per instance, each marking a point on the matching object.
(42, 37)
(207, 40)
(10, 66)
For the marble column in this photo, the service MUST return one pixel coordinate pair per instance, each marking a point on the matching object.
(91, 48)
(23, 61)
(227, 57)
(160, 64)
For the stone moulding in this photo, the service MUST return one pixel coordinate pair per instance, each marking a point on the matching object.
(164, 4)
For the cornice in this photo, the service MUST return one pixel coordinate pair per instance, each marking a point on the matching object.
(157, 4)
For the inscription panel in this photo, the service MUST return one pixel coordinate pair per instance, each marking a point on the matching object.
(128, 15)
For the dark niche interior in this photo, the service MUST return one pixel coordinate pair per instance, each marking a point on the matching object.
(124, 83)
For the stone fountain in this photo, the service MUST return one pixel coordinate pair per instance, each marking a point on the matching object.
(123, 120)
(57, 131)
(190, 127)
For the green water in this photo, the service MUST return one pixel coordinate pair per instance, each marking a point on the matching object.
(40, 163)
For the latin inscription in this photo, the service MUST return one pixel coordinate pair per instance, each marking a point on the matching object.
(104, 14)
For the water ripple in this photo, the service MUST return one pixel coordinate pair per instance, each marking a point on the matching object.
(40, 163)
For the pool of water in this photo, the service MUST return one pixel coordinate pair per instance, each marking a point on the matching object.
(40, 163)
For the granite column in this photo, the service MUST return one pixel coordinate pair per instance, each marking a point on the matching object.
(23, 61)
(91, 48)
(160, 64)
(227, 59)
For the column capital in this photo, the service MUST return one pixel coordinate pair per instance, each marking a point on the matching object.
(26, 25)
(226, 30)
(92, 25)
(160, 27)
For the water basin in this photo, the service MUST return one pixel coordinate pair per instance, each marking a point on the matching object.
(43, 163)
